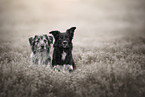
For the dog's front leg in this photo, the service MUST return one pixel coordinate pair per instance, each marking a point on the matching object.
(48, 61)
(69, 61)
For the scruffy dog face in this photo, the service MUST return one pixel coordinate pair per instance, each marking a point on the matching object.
(63, 40)
(40, 43)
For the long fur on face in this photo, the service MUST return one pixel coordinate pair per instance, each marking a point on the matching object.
(40, 46)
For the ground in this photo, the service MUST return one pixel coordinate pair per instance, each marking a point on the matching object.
(109, 48)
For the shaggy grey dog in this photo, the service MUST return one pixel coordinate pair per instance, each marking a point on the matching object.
(40, 46)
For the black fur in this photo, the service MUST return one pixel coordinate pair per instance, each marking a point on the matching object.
(63, 44)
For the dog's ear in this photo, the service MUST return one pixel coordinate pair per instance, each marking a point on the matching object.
(71, 31)
(32, 43)
(31, 40)
(54, 33)
(51, 39)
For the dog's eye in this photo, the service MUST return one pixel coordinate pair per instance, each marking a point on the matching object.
(45, 40)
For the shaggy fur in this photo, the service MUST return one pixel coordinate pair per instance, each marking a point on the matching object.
(40, 45)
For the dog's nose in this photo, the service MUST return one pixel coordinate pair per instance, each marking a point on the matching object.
(64, 42)
(42, 46)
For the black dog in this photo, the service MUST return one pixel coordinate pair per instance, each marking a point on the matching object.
(62, 54)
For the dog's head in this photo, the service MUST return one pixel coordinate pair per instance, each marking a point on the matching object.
(40, 43)
(63, 40)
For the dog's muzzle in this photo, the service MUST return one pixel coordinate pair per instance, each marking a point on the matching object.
(65, 44)
(43, 47)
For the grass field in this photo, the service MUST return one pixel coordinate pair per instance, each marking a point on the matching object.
(109, 48)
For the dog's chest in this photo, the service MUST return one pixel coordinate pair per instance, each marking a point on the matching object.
(40, 57)
(63, 55)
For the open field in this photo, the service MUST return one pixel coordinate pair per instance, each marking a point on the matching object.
(109, 48)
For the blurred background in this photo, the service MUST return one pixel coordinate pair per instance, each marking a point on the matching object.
(108, 48)
(96, 20)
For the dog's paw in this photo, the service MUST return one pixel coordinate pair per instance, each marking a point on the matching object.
(57, 68)
(68, 68)
(64, 68)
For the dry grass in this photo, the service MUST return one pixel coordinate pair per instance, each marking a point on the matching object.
(109, 48)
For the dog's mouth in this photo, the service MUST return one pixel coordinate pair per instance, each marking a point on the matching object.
(41, 50)
(65, 46)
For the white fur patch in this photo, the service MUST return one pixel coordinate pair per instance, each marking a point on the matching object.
(63, 55)
(64, 68)
(71, 67)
